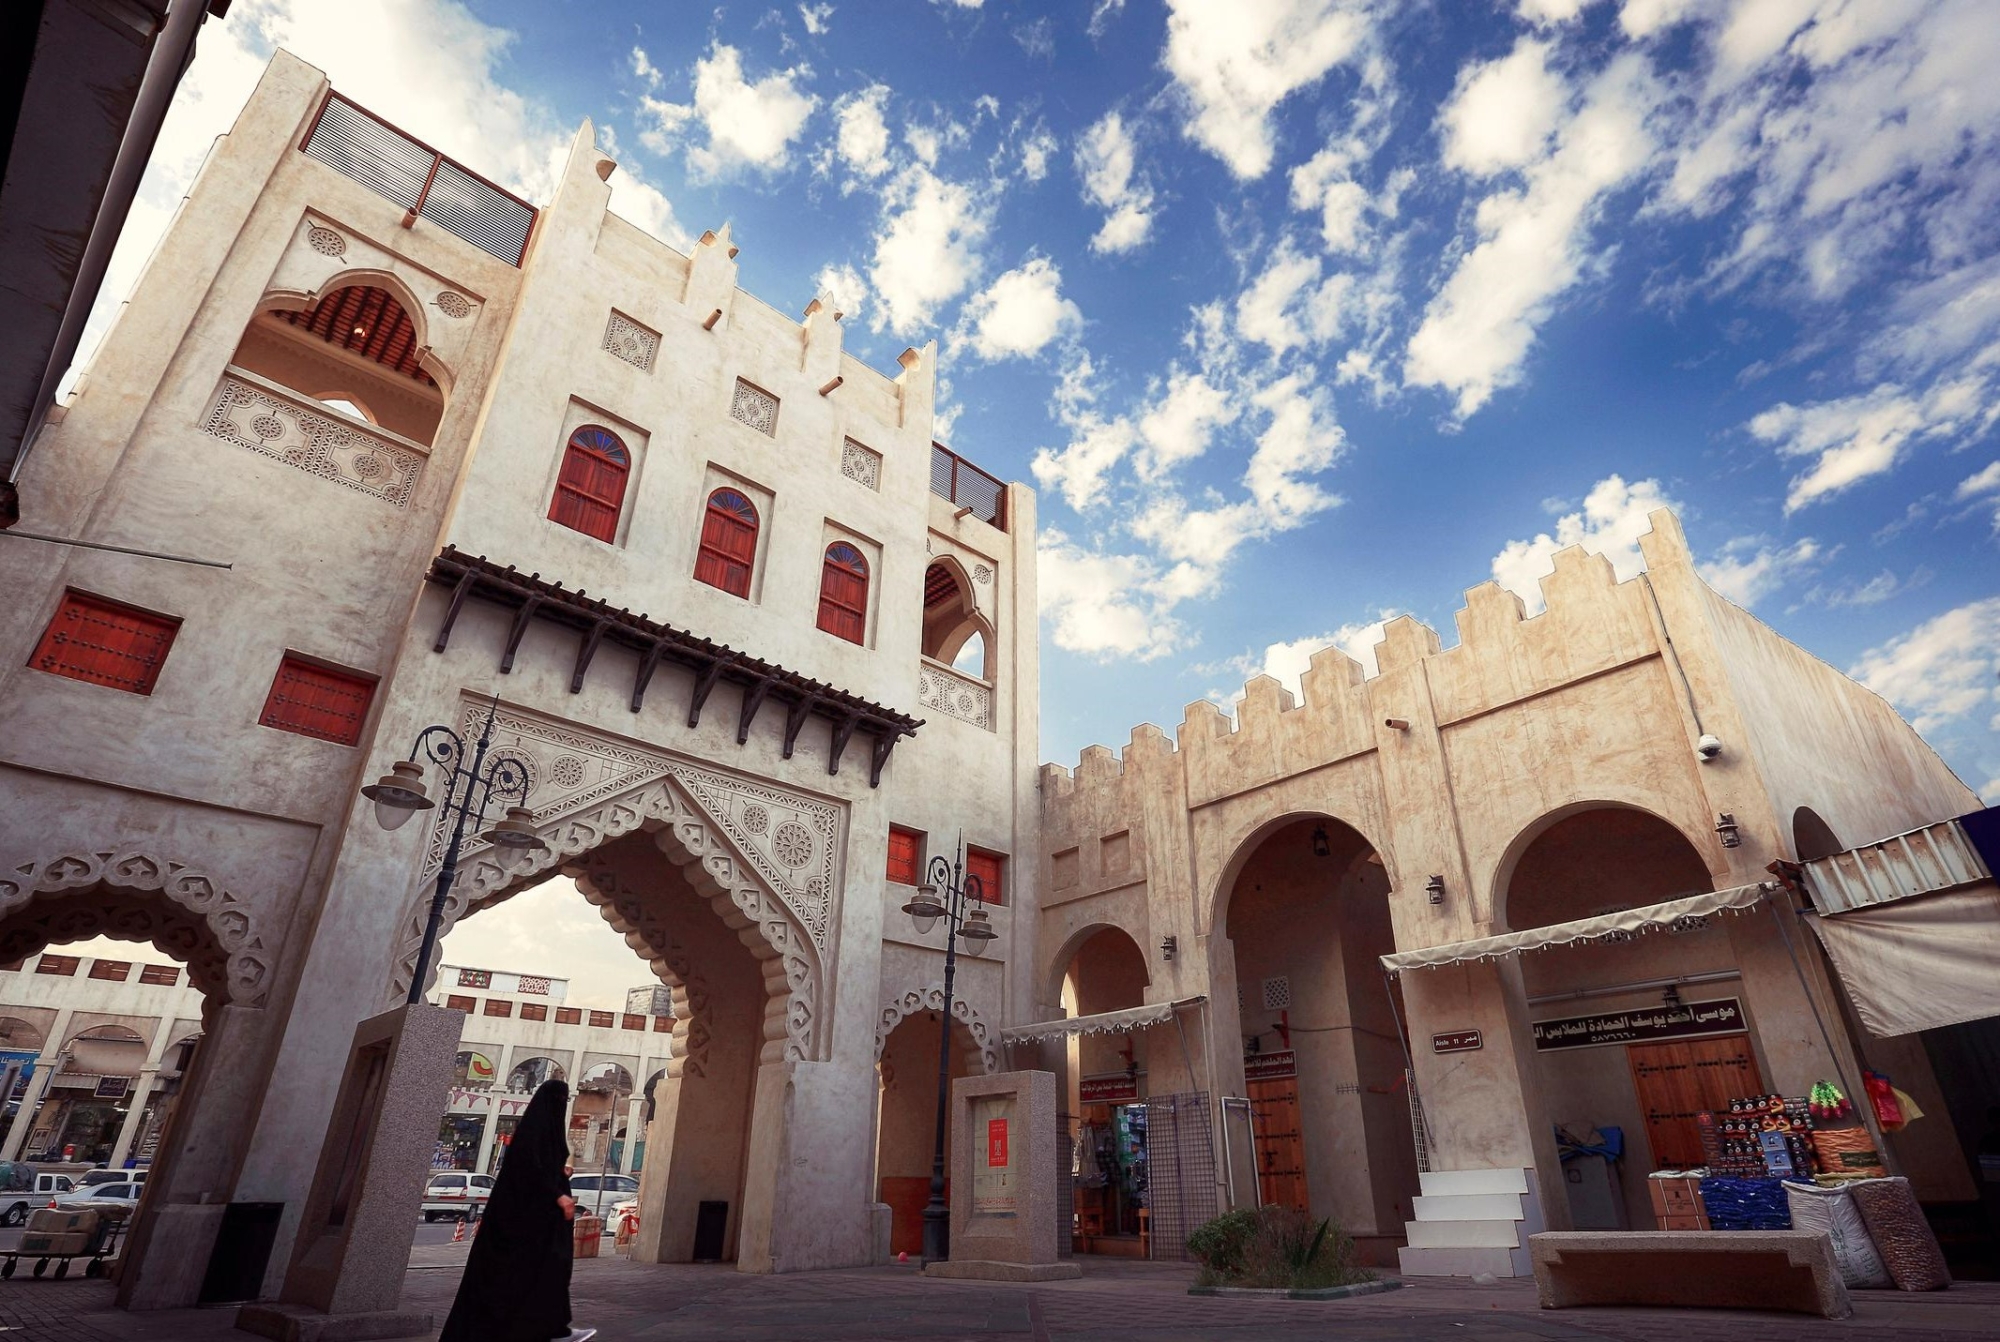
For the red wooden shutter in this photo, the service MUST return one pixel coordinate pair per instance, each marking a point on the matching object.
(728, 543)
(105, 643)
(591, 488)
(843, 593)
(316, 702)
(989, 868)
(902, 856)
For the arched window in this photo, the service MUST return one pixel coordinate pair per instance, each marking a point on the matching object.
(591, 488)
(728, 543)
(843, 593)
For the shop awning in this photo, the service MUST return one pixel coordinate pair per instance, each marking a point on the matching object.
(1918, 963)
(1626, 922)
(1105, 1022)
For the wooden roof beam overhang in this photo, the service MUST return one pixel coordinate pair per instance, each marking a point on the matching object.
(597, 622)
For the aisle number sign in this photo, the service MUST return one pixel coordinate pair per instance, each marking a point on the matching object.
(993, 1190)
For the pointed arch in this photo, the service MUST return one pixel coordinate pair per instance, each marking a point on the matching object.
(931, 998)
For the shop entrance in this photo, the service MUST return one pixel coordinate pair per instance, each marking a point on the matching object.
(1111, 1180)
(1281, 1147)
(1676, 1081)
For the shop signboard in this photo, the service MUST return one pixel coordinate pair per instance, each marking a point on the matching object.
(993, 1191)
(1270, 1066)
(1457, 1041)
(112, 1087)
(1108, 1088)
(1687, 1020)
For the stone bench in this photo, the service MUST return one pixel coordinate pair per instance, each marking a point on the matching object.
(1715, 1269)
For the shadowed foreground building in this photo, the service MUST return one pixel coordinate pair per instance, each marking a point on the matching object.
(762, 648)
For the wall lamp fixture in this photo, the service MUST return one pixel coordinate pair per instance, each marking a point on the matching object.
(1168, 946)
(1725, 825)
(1322, 846)
(1434, 887)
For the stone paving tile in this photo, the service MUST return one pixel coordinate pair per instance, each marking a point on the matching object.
(1119, 1302)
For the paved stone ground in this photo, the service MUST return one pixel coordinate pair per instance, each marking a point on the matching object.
(1116, 1302)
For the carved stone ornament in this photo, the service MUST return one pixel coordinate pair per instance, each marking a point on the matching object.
(860, 464)
(931, 998)
(956, 695)
(455, 306)
(637, 919)
(317, 443)
(981, 573)
(631, 342)
(783, 879)
(325, 241)
(756, 407)
(136, 895)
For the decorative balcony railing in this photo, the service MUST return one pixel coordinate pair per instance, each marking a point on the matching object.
(955, 694)
(253, 412)
(955, 478)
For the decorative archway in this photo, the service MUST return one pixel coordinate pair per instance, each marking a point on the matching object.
(638, 921)
(931, 998)
(1504, 869)
(1073, 944)
(142, 897)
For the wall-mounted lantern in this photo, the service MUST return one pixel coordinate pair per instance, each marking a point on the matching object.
(1434, 888)
(1725, 825)
(1168, 946)
(1322, 846)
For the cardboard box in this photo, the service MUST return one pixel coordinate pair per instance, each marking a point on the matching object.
(42, 1242)
(51, 1221)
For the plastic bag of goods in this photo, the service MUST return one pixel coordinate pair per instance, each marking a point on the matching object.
(1831, 1211)
(1901, 1234)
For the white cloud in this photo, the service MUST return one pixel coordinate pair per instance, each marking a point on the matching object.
(1179, 426)
(748, 125)
(1748, 570)
(1105, 161)
(863, 138)
(1020, 313)
(1533, 244)
(1943, 670)
(1287, 305)
(1036, 151)
(927, 252)
(1038, 39)
(1235, 62)
(1102, 605)
(1852, 438)
(643, 67)
(849, 290)
(1080, 471)
(1288, 662)
(1985, 481)
(817, 18)
(1101, 15)
(1502, 113)
(1547, 12)
(1610, 523)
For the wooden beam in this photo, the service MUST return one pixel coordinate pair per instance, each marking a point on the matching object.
(458, 595)
(795, 720)
(878, 756)
(843, 732)
(514, 635)
(753, 699)
(647, 665)
(703, 685)
(585, 651)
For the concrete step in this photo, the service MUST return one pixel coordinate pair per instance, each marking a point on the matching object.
(1414, 1261)
(1463, 1234)
(1454, 1183)
(1469, 1207)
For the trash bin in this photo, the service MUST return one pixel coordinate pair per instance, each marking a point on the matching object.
(242, 1252)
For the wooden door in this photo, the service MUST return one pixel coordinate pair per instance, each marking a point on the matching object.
(1679, 1080)
(1281, 1144)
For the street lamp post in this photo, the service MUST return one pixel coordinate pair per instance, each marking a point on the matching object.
(962, 891)
(468, 789)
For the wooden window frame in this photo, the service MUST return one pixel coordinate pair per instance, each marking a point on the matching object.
(898, 872)
(995, 890)
(603, 1020)
(534, 1011)
(714, 563)
(460, 1002)
(286, 712)
(498, 1006)
(99, 664)
(569, 1015)
(835, 611)
(584, 504)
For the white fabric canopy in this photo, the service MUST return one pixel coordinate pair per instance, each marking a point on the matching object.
(1106, 1022)
(1582, 929)
(1915, 964)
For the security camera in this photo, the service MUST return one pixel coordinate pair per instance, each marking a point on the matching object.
(1708, 747)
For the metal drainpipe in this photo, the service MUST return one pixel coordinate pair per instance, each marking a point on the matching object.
(173, 49)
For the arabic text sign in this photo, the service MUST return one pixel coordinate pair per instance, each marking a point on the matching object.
(1690, 1020)
(1457, 1041)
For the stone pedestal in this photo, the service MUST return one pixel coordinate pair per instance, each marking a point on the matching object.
(1004, 1221)
(346, 1275)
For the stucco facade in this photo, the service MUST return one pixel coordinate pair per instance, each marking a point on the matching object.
(716, 771)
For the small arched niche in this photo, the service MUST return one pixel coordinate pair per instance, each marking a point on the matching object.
(954, 631)
(357, 351)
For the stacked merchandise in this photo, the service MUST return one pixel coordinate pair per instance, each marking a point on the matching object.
(1745, 1204)
(1880, 1237)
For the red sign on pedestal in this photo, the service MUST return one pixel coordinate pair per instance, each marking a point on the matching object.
(996, 1143)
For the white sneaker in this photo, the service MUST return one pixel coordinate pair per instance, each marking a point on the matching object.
(580, 1335)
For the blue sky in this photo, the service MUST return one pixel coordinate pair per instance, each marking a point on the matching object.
(1301, 312)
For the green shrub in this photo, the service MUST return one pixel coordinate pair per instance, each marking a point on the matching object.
(1274, 1247)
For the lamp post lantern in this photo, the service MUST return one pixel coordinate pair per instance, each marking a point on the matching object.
(963, 909)
(468, 790)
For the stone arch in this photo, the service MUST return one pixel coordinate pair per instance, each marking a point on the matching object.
(1510, 858)
(1246, 848)
(694, 841)
(18, 1033)
(555, 1071)
(985, 1040)
(1812, 837)
(634, 919)
(1058, 969)
(139, 896)
(280, 299)
(951, 623)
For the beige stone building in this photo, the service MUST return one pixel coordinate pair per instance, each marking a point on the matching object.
(739, 614)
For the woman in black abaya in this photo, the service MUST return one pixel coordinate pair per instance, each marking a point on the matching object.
(516, 1283)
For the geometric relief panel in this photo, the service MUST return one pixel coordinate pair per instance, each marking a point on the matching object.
(281, 428)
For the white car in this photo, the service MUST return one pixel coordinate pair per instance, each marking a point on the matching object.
(16, 1203)
(598, 1193)
(88, 1197)
(456, 1195)
(90, 1177)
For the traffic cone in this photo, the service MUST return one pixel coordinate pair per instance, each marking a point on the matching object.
(458, 1233)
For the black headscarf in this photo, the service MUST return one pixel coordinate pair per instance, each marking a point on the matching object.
(516, 1283)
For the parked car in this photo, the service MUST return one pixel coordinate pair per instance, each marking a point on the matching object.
(456, 1195)
(99, 1197)
(597, 1193)
(89, 1177)
(23, 1189)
